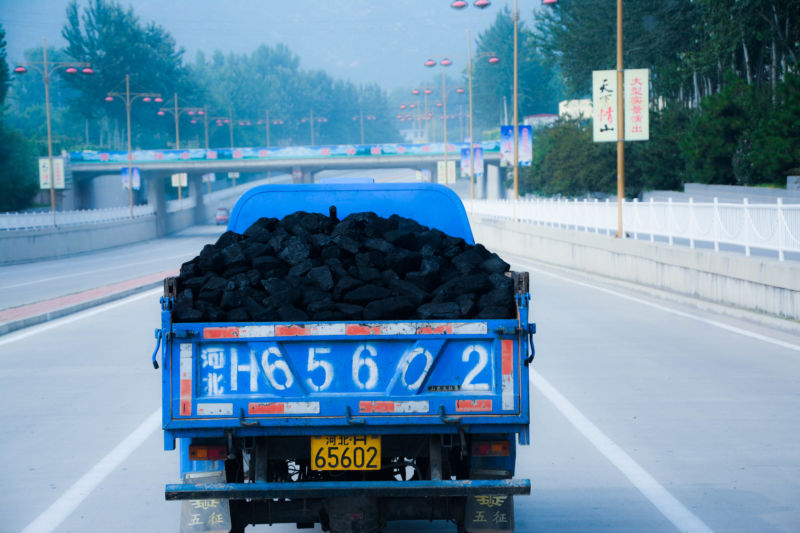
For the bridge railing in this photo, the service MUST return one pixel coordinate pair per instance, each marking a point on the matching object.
(773, 227)
(18, 221)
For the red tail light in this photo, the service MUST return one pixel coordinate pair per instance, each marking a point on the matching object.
(199, 452)
(491, 449)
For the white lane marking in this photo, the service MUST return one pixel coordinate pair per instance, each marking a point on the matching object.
(87, 272)
(35, 330)
(681, 517)
(69, 501)
(715, 323)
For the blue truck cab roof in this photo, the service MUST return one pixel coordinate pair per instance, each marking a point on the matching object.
(429, 204)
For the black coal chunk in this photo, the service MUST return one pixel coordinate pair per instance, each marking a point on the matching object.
(309, 266)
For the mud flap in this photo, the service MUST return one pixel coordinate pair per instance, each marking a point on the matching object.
(206, 516)
(356, 514)
(489, 513)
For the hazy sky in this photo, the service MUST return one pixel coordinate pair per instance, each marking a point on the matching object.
(385, 41)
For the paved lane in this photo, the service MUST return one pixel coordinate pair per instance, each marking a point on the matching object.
(710, 414)
(33, 282)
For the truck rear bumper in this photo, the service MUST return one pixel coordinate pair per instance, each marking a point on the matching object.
(325, 489)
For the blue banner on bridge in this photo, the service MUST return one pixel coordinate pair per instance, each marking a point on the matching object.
(277, 152)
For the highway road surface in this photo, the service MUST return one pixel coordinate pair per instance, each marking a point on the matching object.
(647, 416)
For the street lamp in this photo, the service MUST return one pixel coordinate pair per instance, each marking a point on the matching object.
(46, 70)
(482, 4)
(430, 63)
(311, 121)
(128, 97)
(493, 60)
(423, 115)
(176, 112)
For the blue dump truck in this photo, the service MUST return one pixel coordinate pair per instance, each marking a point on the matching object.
(347, 424)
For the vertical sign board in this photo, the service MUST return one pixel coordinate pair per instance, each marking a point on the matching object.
(525, 145)
(604, 105)
(45, 173)
(477, 161)
(181, 179)
(445, 175)
(137, 179)
(637, 98)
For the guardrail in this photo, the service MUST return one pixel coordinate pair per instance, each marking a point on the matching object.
(18, 221)
(774, 227)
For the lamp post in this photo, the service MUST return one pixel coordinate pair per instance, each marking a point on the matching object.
(176, 112)
(493, 60)
(128, 97)
(46, 69)
(444, 63)
(311, 121)
(482, 4)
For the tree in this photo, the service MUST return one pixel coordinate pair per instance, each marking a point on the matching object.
(235, 84)
(17, 155)
(566, 162)
(18, 181)
(5, 77)
(115, 43)
(539, 85)
(712, 136)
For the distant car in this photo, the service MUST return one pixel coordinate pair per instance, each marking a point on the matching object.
(222, 215)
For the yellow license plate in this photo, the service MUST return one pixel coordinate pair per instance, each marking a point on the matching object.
(351, 452)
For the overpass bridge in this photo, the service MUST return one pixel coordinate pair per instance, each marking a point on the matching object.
(308, 159)
(303, 162)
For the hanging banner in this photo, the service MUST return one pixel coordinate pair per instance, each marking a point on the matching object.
(604, 105)
(477, 161)
(637, 110)
(45, 173)
(507, 146)
(137, 180)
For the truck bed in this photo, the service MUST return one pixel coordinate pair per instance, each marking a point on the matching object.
(378, 377)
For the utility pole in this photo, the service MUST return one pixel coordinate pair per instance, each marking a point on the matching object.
(620, 125)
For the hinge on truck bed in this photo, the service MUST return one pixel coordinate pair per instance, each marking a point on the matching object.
(170, 287)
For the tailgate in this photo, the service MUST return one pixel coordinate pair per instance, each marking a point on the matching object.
(273, 376)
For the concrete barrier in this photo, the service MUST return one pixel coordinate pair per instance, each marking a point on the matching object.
(21, 246)
(757, 284)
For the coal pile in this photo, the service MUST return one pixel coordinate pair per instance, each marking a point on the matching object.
(312, 267)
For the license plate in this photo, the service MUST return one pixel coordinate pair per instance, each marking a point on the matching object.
(346, 452)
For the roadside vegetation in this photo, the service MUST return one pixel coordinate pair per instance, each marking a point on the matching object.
(725, 95)
(724, 98)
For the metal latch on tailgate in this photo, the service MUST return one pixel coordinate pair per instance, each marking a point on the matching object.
(523, 296)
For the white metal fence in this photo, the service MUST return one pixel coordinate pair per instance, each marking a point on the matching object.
(16, 221)
(774, 227)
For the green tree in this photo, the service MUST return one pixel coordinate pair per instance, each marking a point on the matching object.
(17, 155)
(5, 77)
(18, 170)
(566, 162)
(235, 85)
(774, 144)
(493, 84)
(115, 43)
(713, 135)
